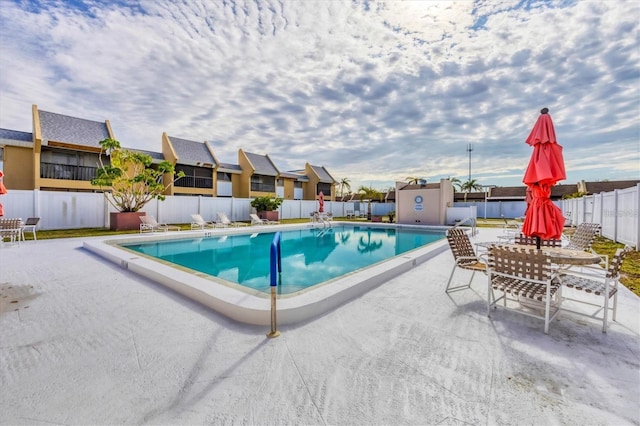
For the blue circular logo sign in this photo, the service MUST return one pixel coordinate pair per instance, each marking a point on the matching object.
(418, 199)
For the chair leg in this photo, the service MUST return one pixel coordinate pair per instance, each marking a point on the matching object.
(450, 289)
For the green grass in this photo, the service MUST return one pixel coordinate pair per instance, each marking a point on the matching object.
(630, 269)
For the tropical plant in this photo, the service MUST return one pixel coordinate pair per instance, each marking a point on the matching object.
(457, 183)
(412, 180)
(129, 180)
(471, 186)
(266, 203)
(344, 183)
(574, 195)
(369, 193)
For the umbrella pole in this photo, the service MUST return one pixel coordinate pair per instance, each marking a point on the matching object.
(538, 242)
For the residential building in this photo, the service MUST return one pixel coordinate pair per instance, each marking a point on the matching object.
(63, 153)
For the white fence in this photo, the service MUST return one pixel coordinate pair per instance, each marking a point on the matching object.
(69, 210)
(615, 211)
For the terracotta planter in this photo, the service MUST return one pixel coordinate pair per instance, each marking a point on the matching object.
(376, 218)
(125, 221)
(269, 215)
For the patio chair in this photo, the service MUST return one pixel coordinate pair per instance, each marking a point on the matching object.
(583, 238)
(526, 280)
(596, 283)
(11, 229)
(224, 220)
(464, 257)
(533, 241)
(30, 226)
(149, 224)
(198, 222)
(256, 220)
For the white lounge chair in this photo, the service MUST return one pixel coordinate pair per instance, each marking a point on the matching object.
(149, 224)
(224, 220)
(256, 220)
(30, 226)
(198, 222)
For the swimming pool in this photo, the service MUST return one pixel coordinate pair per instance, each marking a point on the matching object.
(310, 256)
(252, 306)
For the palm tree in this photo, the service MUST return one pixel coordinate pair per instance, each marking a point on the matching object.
(344, 183)
(457, 183)
(413, 180)
(469, 186)
(369, 193)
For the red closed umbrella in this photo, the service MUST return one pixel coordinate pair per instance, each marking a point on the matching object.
(3, 190)
(543, 219)
(321, 202)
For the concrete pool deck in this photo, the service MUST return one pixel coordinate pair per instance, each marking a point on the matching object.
(87, 342)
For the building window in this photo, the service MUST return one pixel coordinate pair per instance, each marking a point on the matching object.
(280, 182)
(262, 183)
(194, 177)
(69, 165)
(325, 188)
(297, 184)
(224, 177)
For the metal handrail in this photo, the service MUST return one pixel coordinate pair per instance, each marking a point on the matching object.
(472, 221)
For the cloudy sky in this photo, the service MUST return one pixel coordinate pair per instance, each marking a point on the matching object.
(374, 91)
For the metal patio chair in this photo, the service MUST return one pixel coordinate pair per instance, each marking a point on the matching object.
(596, 283)
(464, 257)
(533, 241)
(526, 280)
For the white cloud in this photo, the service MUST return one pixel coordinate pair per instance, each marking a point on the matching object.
(375, 92)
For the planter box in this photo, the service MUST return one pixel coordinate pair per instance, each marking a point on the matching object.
(125, 221)
(269, 215)
(376, 218)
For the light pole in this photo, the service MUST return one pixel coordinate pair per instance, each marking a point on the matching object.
(469, 149)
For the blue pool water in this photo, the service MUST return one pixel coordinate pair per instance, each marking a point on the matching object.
(310, 256)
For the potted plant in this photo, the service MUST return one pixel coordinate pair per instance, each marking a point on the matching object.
(129, 181)
(267, 206)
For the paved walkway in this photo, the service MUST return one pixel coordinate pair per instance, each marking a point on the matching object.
(89, 343)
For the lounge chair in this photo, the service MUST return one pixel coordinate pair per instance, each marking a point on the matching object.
(256, 220)
(149, 224)
(224, 220)
(30, 226)
(198, 222)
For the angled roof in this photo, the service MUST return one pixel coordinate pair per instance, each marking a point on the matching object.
(157, 156)
(262, 164)
(15, 135)
(323, 174)
(229, 168)
(293, 175)
(71, 130)
(192, 153)
(598, 187)
(418, 186)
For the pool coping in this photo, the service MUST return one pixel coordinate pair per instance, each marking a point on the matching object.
(250, 309)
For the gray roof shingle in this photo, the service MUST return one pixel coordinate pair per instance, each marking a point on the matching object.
(323, 174)
(230, 168)
(192, 153)
(72, 130)
(15, 135)
(262, 164)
